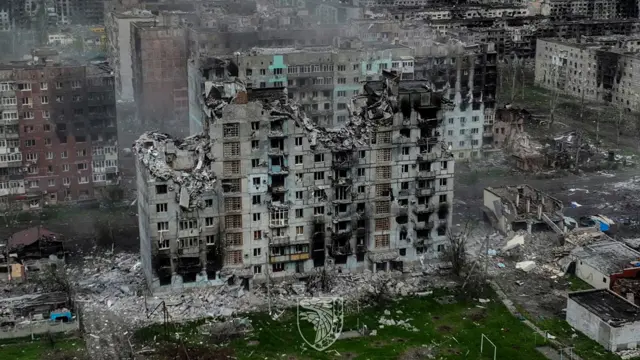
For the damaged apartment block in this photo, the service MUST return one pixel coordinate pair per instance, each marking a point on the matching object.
(513, 208)
(266, 191)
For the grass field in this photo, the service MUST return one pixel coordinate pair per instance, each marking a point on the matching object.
(41, 349)
(448, 331)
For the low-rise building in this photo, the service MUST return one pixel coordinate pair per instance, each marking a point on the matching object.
(605, 317)
(598, 262)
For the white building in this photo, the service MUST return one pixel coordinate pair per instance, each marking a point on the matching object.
(605, 317)
(595, 263)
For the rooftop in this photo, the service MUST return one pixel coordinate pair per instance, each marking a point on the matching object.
(29, 236)
(608, 257)
(608, 306)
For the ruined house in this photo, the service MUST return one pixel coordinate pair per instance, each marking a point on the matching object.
(513, 208)
(30, 249)
(265, 191)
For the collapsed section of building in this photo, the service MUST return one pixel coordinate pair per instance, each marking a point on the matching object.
(513, 208)
(266, 191)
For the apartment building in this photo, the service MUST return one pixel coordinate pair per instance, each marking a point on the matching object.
(321, 79)
(590, 9)
(291, 196)
(11, 176)
(467, 75)
(59, 125)
(599, 68)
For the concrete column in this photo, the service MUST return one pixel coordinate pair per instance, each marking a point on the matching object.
(529, 226)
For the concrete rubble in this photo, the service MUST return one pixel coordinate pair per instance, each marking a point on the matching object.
(161, 154)
(115, 285)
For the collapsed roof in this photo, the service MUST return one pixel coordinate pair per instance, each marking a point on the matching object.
(185, 164)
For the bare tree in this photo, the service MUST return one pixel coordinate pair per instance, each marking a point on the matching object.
(456, 250)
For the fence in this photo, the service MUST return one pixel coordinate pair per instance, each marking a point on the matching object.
(37, 328)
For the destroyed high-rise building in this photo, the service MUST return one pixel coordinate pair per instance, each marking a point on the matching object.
(265, 190)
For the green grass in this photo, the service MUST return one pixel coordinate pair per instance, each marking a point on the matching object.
(577, 284)
(39, 349)
(453, 330)
(584, 347)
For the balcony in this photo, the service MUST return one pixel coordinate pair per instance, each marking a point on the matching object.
(426, 174)
(428, 140)
(287, 258)
(341, 234)
(487, 134)
(189, 252)
(337, 249)
(342, 181)
(403, 193)
(343, 164)
(277, 189)
(278, 205)
(424, 208)
(342, 216)
(278, 170)
(425, 191)
(276, 223)
(430, 156)
(111, 169)
(361, 248)
(425, 225)
(286, 240)
(402, 211)
(275, 134)
(277, 152)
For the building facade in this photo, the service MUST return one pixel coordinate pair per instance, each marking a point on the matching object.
(65, 131)
(159, 58)
(602, 69)
(291, 196)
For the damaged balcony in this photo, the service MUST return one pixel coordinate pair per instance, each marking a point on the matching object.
(342, 213)
(425, 191)
(424, 208)
(423, 238)
(277, 148)
(278, 202)
(342, 230)
(342, 177)
(278, 129)
(289, 253)
(343, 160)
(340, 247)
(423, 223)
(278, 165)
(277, 184)
(428, 156)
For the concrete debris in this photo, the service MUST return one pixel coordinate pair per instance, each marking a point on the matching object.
(383, 321)
(526, 266)
(114, 287)
(516, 241)
(182, 163)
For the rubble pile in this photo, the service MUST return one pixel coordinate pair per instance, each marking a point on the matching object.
(165, 159)
(405, 324)
(114, 285)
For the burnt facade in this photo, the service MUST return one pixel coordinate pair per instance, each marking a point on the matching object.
(66, 130)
